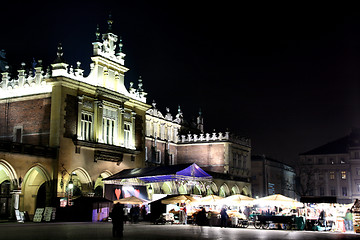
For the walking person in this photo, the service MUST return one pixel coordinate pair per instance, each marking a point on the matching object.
(348, 221)
(224, 217)
(117, 216)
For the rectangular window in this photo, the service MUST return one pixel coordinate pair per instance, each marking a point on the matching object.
(158, 157)
(358, 171)
(342, 161)
(17, 135)
(321, 176)
(358, 187)
(146, 154)
(332, 191)
(344, 191)
(127, 135)
(322, 191)
(108, 130)
(356, 155)
(343, 175)
(332, 175)
(86, 126)
(320, 161)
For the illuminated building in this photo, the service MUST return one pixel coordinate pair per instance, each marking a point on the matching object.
(332, 170)
(59, 127)
(270, 176)
(61, 133)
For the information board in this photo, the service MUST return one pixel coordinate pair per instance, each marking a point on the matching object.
(38, 215)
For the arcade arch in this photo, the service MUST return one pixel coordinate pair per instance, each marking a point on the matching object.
(99, 184)
(36, 189)
(224, 190)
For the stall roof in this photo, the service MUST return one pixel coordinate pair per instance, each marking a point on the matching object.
(162, 173)
(316, 199)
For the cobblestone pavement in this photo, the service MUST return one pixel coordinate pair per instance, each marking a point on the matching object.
(57, 231)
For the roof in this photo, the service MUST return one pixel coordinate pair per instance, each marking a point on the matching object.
(162, 173)
(334, 147)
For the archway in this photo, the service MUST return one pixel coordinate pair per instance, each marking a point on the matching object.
(166, 188)
(33, 180)
(99, 184)
(8, 182)
(81, 180)
(245, 191)
(182, 189)
(211, 189)
(235, 190)
(224, 190)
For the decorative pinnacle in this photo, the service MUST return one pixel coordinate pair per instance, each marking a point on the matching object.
(120, 44)
(110, 22)
(60, 53)
(140, 85)
(97, 33)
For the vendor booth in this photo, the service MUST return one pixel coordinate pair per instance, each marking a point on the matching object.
(152, 183)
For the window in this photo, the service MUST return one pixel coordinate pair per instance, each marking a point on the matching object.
(158, 157)
(109, 125)
(127, 135)
(17, 134)
(332, 191)
(358, 171)
(342, 161)
(320, 161)
(86, 126)
(356, 155)
(344, 191)
(358, 187)
(171, 159)
(332, 175)
(108, 130)
(331, 161)
(343, 175)
(321, 176)
(146, 154)
(322, 191)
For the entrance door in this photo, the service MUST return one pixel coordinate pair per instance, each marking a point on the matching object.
(5, 199)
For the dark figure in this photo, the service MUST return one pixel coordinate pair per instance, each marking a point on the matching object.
(224, 217)
(247, 212)
(143, 212)
(117, 216)
(201, 217)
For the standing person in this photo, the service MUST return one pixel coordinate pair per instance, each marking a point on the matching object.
(348, 221)
(224, 217)
(185, 215)
(201, 217)
(117, 216)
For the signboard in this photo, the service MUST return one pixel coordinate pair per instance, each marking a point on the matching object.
(38, 215)
(115, 192)
(20, 217)
(49, 214)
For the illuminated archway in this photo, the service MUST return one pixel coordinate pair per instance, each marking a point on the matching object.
(166, 188)
(211, 189)
(82, 183)
(7, 172)
(235, 190)
(245, 191)
(33, 179)
(182, 189)
(99, 184)
(224, 190)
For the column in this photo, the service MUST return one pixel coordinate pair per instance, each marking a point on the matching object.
(121, 126)
(133, 115)
(98, 122)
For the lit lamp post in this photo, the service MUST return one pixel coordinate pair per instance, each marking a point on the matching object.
(70, 186)
(150, 190)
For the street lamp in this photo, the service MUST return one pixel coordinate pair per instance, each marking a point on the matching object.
(71, 184)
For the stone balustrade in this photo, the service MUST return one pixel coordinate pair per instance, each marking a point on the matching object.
(213, 137)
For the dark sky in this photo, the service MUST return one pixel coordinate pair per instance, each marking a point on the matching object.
(287, 76)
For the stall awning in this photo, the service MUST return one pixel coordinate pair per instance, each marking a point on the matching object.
(180, 172)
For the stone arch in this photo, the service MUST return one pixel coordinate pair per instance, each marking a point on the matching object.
(212, 189)
(99, 184)
(166, 188)
(82, 182)
(224, 190)
(182, 189)
(245, 191)
(235, 190)
(7, 172)
(34, 178)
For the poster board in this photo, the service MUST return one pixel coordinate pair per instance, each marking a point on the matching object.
(20, 217)
(49, 214)
(38, 215)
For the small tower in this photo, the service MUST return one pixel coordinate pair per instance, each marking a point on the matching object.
(200, 122)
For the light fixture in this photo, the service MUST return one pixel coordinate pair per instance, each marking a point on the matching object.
(150, 189)
(71, 184)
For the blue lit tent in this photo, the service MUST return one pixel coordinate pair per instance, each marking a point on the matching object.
(180, 172)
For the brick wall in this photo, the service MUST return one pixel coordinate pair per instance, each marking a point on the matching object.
(33, 116)
(210, 157)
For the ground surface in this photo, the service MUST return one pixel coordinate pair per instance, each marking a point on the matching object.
(57, 231)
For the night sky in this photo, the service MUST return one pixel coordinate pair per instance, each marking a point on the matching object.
(286, 76)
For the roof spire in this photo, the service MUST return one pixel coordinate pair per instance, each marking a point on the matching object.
(110, 22)
(97, 33)
(59, 53)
